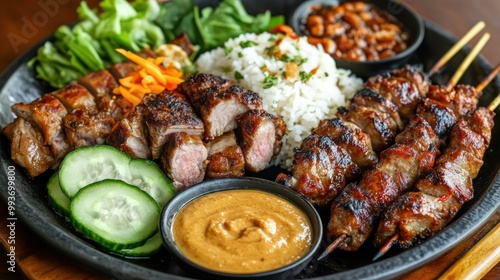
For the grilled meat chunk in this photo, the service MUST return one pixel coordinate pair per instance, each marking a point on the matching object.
(442, 192)
(260, 135)
(368, 98)
(378, 125)
(195, 86)
(440, 117)
(46, 113)
(130, 134)
(225, 157)
(414, 76)
(350, 137)
(122, 69)
(218, 102)
(461, 99)
(403, 93)
(87, 127)
(28, 148)
(184, 159)
(101, 84)
(321, 169)
(74, 96)
(166, 113)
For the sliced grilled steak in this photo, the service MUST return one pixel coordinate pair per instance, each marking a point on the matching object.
(184, 159)
(87, 127)
(46, 113)
(166, 113)
(260, 135)
(74, 96)
(196, 86)
(101, 84)
(28, 148)
(130, 135)
(225, 157)
(122, 69)
(220, 109)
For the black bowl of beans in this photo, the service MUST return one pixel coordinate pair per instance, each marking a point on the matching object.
(366, 37)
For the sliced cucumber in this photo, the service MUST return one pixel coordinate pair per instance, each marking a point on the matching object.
(87, 165)
(148, 176)
(91, 164)
(115, 214)
(57, 198)
(149, 248)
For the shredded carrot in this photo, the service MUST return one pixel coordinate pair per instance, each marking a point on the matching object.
(152, 77)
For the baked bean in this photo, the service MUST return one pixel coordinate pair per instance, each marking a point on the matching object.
(355, 31)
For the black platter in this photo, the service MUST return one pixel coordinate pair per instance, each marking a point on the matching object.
(18, 83)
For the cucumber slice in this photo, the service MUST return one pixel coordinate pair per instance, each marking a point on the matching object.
(59, 201)
(115, 214)
(90, 164)
(148, 176)
(149, 248)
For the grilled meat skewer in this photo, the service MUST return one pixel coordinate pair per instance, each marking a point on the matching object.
(440, 194)
(355, 211)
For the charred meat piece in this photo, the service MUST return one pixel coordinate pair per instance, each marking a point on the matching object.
(74, 96)
(220, 109)
(350, 137)
(28, 148)
(46, 113)
(354, 213)
(403, 93)
(378, 125)
(225, 157)
(87, 127)
(368, 98)
(442, 192)
(195, 86)
(122, 69)
(260, 135)
(130, 135)
(101, 84)
(414, 76)
(321, 169)
(166, 113)
(184, 159)
(440, 117)
(462, 99)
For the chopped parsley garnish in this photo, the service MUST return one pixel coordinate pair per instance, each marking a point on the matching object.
(326, 74)
(271, 39)
(237, 75)
(240, 54)
(246, 44)
(227, 50)
(270, 81)
(226, 69)
(299, 60)
(304, 76)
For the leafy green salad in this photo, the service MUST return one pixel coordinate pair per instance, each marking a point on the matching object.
(90, 44)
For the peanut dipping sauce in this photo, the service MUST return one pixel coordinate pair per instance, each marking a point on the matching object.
(242, 231)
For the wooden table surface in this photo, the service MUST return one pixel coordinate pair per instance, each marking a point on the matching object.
(23, 23)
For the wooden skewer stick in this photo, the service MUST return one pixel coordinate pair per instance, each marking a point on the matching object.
(387, 246)
(332, 246)
(458, 45)
(468, 60)
(484, 83)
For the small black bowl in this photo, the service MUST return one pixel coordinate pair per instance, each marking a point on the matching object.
(410, 20)
(172, 208)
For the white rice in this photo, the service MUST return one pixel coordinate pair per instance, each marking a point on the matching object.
(301, 104)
